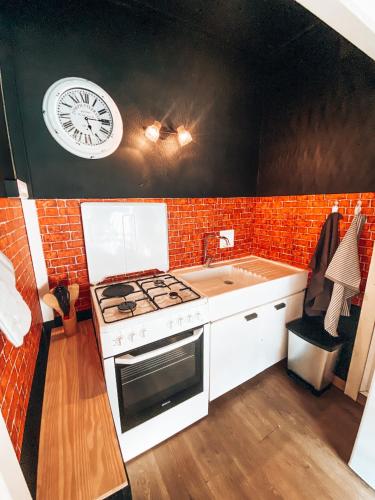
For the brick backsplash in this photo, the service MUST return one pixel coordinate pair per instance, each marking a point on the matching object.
(188, 220)
(284, 228)
(17, 364)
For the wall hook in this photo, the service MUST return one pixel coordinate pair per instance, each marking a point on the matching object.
(335, 207)
(358, 208)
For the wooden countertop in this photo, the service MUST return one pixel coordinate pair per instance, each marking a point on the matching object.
(79, 455)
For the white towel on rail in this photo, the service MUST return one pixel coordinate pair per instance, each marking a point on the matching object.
(7, 270)
(15, 315)
(344, 271)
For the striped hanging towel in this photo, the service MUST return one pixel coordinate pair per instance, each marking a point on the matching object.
(345, 273)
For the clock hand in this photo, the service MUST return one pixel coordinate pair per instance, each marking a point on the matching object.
(89, 126)
(95, 119)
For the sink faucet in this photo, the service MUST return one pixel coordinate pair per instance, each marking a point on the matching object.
(207, 259)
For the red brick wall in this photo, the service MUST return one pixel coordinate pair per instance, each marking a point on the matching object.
(284, 228)
(17, 364)
(287, 227)
(188, 218)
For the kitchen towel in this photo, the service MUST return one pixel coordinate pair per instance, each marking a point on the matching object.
(319, 291)
(6, 270)
(344, 271)
(15, 315)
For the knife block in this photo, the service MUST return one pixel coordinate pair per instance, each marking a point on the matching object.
(69, 324)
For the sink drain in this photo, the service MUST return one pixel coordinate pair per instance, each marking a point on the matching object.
(229, 282)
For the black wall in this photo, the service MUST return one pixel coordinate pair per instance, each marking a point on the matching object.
(5, 157)
(318, 118)
(154, 68)
(277, 102)
(6, 165)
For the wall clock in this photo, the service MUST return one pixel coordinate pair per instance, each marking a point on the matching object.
(82, 118)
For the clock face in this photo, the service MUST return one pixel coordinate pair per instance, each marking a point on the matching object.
(82, 118)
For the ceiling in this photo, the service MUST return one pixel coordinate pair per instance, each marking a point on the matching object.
(257, 28)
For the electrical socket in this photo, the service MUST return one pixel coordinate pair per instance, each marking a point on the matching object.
(228, 233)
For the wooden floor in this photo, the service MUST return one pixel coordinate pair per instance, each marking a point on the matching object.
(269, 438)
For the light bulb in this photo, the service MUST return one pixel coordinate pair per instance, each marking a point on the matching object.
(152, 131)
(184, 136)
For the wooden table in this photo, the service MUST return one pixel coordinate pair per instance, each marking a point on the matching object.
(79, 454)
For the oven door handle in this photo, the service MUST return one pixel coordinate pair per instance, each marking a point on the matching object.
(128, 359)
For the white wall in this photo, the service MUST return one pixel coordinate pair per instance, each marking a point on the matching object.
(364, 9)
(12, 483)
(37, 255)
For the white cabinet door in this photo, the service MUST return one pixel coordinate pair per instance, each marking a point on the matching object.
(274, 334)
(245, 344)
(234, 351)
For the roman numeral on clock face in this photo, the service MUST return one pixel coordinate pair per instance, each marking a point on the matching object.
(85, 97)
(106, 122)
(74, 99)
(104, 130)
(102, 111)
(68, 125)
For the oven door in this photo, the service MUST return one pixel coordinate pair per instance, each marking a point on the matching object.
(153, 378)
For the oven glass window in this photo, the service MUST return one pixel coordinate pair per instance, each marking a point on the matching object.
(153, 385)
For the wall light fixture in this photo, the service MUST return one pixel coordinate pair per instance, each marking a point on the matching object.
(152, 132)
(184, 136)
(158, 131)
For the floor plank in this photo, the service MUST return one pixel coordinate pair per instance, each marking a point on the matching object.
(267, 439)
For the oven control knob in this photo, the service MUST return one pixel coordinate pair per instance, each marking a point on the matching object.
(180, 320)
(117, 341)
(198, 316)
(131, 337)
(170, 325)
(143, 333)
(189, 318)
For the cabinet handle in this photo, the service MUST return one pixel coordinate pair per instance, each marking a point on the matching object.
(280, 306)
(251, 316)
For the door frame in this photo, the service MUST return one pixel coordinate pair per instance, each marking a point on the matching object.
(364, 335)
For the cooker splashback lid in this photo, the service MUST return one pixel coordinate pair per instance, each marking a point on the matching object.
(122, 238)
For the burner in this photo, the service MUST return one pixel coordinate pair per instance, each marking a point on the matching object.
(118, 290)
(159, 282)
(174, 295)
(127, 306)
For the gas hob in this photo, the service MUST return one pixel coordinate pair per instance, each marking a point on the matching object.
(128, 299)
(133, 313)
